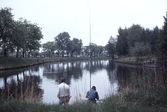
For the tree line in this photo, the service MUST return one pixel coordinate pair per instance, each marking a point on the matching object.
(23, 38)
(64, 46)
(137, 41)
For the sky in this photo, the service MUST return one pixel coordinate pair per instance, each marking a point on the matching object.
(89, 20)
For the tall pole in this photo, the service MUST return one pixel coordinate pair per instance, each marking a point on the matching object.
(90, 25)
(90, 38)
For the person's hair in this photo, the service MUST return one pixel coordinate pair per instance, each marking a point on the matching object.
(63, 79)
(93, 87)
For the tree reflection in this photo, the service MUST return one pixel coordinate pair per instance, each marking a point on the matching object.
(111, 71)
(25, 88)
(74, 69)
(24, 84)
(137, 77)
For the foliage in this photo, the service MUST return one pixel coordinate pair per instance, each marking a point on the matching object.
(111, 47)
(6, 29)
(137, 41)
(140, 49)
(62, 40)
(134, 35)
(162, 42)
(49, 48)
(34, 35)
(18, 35)
(74, 47)
(19, 39)
(122, 42)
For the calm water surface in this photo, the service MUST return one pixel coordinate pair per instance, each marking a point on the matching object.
(40, 83)
(80, 75)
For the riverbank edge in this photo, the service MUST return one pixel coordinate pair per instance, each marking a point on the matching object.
(128, 62)
(8, 63)
(28, 62)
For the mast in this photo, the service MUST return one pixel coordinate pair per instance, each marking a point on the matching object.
(90, 40)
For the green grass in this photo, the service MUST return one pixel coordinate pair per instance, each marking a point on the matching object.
(134, 59)
(9, 62)
(152, 100)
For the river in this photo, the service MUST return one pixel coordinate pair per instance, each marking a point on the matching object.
(40, 83)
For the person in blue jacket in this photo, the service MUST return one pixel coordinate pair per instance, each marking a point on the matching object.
(92, 95)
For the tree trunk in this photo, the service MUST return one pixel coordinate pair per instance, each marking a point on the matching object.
(5, 53)
(23, 54)
(17, 53)
(29, 53)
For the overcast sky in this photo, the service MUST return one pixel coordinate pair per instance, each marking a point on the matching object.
(76, 16)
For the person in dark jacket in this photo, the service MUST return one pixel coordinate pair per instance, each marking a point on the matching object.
(92, 95)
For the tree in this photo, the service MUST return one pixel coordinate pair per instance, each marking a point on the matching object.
(122, 42)
(162, 40)
(50, 47)
(93, 49)
(19, 36)
(86, 50)
(100, 50)
(34, 37)
(6, 29)
(62, 40)
(74, 46)
(153, 39)
(111, 47)
(140, 49)
(134, 35)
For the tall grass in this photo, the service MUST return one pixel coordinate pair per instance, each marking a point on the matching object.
(152, 100)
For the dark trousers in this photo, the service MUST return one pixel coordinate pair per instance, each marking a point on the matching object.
(64, 100)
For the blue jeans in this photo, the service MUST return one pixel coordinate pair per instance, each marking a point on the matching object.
(91, 101)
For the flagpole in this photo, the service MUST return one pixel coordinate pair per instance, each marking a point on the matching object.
(90, 39)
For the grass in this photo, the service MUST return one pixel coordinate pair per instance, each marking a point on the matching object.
(152, 100)
(9, 62)
(134, 59)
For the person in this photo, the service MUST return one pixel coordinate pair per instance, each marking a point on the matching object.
(92, 95)
(63, 92)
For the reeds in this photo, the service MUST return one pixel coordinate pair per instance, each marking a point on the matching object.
(151, 100)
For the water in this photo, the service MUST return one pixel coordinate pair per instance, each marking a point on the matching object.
(40, 83)
(45, 78)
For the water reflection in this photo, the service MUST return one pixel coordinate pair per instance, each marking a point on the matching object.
(23, 86)
(80, 77)
(39, 83)
(138, 77)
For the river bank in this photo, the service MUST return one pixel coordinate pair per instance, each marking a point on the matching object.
(7, 63)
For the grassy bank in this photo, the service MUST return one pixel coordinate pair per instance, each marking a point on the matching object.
(10, 62)
(153, 100)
